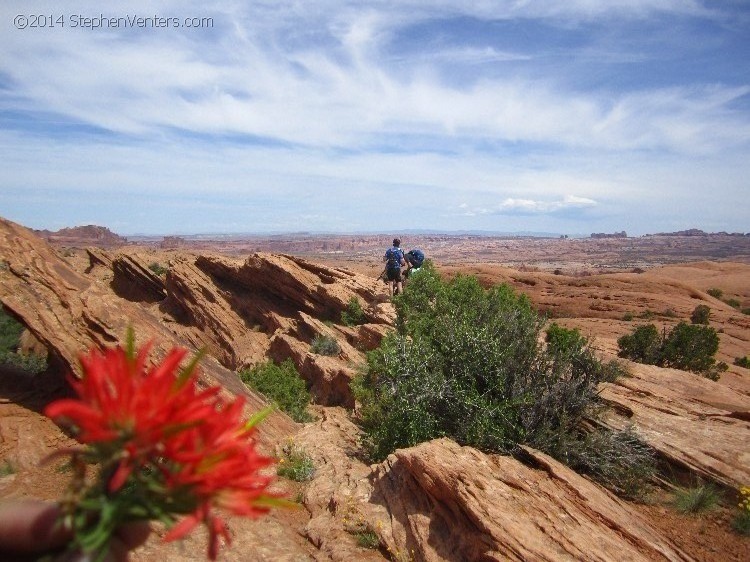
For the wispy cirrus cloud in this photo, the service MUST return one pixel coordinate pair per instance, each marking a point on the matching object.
(518, 102)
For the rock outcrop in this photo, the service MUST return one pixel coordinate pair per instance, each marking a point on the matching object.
(454, 503)
(692, 422)
(440, 501)
(90, 235)
(69, 313)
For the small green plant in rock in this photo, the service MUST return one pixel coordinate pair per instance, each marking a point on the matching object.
(282, 384)
(158, 268)
(10, 337)
(742, 362)
(741, 522)
(734, 303)
(30, 362)
(701, 314)
(355, 524)
(295, 464)
(325, 345)
(715, 293)
(696, 499)
(7, 468)
(367, 538)
(353, 315)
(10, 332)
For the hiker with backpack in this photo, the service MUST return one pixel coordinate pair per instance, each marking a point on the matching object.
(414, 260)
(394, 259)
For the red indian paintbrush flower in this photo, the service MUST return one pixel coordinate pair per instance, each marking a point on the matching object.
(164, 447)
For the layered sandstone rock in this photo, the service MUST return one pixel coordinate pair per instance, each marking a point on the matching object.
(449, 502)
(69, 313)
(440, 501)
(692, 422)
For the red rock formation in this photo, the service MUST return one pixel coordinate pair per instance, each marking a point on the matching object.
(69, 313)
(81, 236)
(440, 501)
(449, 502)
(693, 422)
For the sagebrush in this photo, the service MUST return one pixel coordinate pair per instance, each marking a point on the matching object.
(325, 345)
(467, 363)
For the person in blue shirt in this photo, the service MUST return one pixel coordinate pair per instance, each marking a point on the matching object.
(414, 260)
(394, 260)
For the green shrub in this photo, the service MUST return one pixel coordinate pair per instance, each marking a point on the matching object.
(715, 293)
(690, 347)
(699, 498)
(282, 384)
(295, 464)
(564, 340)
(158, 268)
(742, 362)
(353, 315)
(325, 345)
(10, 337)
(701, 314)
(741, 523)
(367, 538)
(745, 311)
(643, 345)
(627, 317)
(734, 303)
(7, 468)
(10, 332)
(466, 363)
(29, 362)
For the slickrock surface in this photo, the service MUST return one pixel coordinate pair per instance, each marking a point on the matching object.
(456, 503)
(693, 422)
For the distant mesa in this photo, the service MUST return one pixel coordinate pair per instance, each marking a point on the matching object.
(172, 242)
(699, 232)
(89, 235)
(622, 234)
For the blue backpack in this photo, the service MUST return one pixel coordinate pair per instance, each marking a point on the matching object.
(416, 257)
(394, 256)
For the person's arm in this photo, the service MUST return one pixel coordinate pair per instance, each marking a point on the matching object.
(31, 527)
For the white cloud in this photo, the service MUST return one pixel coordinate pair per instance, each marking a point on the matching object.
(530, 206)
(284, 98)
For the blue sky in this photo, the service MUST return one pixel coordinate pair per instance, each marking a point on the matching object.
(568, 117)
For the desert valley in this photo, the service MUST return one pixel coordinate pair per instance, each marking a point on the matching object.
(251, 299)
